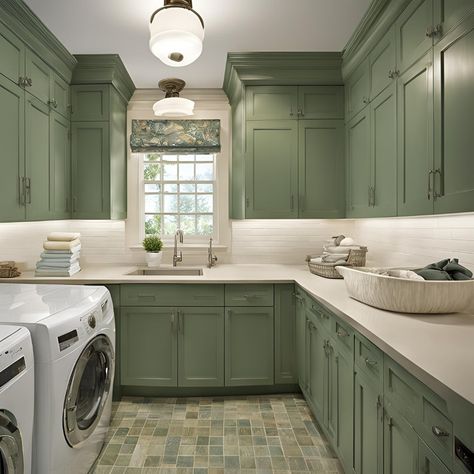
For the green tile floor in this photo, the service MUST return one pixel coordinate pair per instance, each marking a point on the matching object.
(257, 434)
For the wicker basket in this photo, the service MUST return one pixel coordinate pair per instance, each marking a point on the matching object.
(8, 269)
(356, 258)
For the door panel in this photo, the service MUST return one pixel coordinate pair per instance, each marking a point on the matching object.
(358, 90)
(321, 168)
(382, 61)
(59, 95)
(90, 103)
(40, 74)
(12, 52)
(321, 102)
(271, 102)
(451, 12)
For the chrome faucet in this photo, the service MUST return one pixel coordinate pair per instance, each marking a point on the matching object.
(177, 258)
(211, 259)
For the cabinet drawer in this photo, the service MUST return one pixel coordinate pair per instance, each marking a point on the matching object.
(321, 314)
(249, 295)
(343, 335)
(368, 358)
(172, 295)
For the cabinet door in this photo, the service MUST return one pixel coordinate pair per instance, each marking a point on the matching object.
(59, 94)
(415, 139)
(358, 165)
(285, 338)
(449, 13)
(12, 52)
(12, 157)
(249, 346)
(383, 137)
(382, 64)
(321, 169)
(38, 166)
(411, 31)
(90, 103)
(201, 347)
(429, 462)
(400, 445)
(271, 102)
(301, 340)
(59, 128)
(368, 426)
(321, 102)
(40, 75)
(454, 116)
(358, 90)
(149, 350)
(271, 170)
(90, 169)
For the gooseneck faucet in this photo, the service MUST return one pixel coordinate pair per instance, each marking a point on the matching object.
(177, 258)
(211, 258)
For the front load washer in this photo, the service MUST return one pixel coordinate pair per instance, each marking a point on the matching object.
(73, 334)
(16, 400)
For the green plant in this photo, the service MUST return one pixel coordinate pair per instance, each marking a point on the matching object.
(152, 243)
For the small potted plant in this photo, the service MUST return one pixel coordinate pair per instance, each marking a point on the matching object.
(153, 245)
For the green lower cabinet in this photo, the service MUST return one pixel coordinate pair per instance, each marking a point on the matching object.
(249, 352)
(200, 347)
(148, 347)
(429, 463)
(300, 322)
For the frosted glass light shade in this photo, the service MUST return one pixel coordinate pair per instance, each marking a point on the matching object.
(176, 36)
(174, 107)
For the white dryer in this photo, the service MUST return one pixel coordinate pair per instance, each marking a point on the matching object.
(73, 333)
(16, 399)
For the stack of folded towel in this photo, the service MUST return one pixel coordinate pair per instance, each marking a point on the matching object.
(60, 256)
(336, 250)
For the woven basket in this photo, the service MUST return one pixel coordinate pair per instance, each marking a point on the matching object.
(356, 258)
(8, 270)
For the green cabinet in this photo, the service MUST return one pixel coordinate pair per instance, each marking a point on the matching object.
(271, 102)
(38, 74)
(320, 102)
(449, 13)
(300, 330)
(357, 89)
(429, 463)
(249, 351)
(200, 347)
(60, 100)
(12, 52)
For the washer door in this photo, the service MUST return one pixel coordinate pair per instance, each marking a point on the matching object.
(88, 390)
(11, 447)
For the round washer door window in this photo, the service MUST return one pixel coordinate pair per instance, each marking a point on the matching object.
(88, 390)
(11, 447)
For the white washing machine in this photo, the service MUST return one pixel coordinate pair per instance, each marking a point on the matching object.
(73, 334)
(17, 384)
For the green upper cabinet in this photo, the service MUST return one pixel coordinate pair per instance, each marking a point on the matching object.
(321, 102)
(60, 100)
(12, 52)
(321, 169)
(357, 89)
(449, 13)
(271, 102)
(271, 169)
(454, 116)
(90, 103)
(38, 75)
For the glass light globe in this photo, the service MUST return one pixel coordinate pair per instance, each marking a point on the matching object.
(174, 107)
(176, 36)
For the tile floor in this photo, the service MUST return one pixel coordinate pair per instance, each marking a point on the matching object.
(257, 434)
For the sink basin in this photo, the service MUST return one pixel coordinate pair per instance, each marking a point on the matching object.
(171, 271)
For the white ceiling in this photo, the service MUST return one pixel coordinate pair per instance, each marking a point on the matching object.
(121, 26)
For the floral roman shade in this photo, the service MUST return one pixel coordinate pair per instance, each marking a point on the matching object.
(175, 136)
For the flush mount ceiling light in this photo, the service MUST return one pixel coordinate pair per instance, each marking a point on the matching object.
(177, 33)
(173, 105)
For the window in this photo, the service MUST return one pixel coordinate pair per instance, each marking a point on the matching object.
(178, 192)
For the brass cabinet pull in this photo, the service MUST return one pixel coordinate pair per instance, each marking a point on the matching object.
(28, 190)
(439, 432)
(53, 103)
(370, 362)
(431, 172)
(342, 333)
(437, 194)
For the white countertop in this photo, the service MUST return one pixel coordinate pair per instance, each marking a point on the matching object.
(438, 349)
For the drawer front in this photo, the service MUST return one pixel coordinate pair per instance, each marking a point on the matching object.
(172, 295)
(249, 295)
(368, 358)
(343, 335)
(322, 315)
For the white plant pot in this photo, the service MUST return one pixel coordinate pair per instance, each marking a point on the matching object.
(153, 259)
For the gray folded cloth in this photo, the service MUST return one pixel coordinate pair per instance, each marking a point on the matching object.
(445, 270)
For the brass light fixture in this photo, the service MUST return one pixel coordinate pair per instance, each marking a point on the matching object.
(173, 105)
(177, 33)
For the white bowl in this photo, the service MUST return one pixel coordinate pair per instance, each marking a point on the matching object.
(407, 296)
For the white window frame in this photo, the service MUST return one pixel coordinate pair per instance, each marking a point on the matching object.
(210, 104)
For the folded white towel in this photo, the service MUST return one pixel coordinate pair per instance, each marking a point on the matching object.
(334, 257)
(316, 260)
(331, 249)
(347, 241)
(72, 245)
(63, 236)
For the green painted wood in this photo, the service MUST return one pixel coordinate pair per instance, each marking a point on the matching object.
(358, 165)
(249, 346)
(90, 102)
(415, 138)
(38, 166)
(368, 425)
(271, 102)
(12, 158)
(59, 94)
(272, 169)
(411, 28)
(40, 75)
(451, 12)
(454, 112)
(172, 295)
(200, 347)
(429, 463)
(382, 64)
(301, 339)
(117, 387)
(400, 445)
(357, 90)
(12, 52)
(285, 335)
(60, 161)
(321, 169)
(383, 127)
(148, 347)
(90, 170)
(368, 359)
(321, 102)
(249, 295)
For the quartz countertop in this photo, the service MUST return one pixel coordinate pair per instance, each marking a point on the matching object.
(438, 349)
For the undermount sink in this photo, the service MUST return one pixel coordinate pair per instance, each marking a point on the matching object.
(171, 271)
